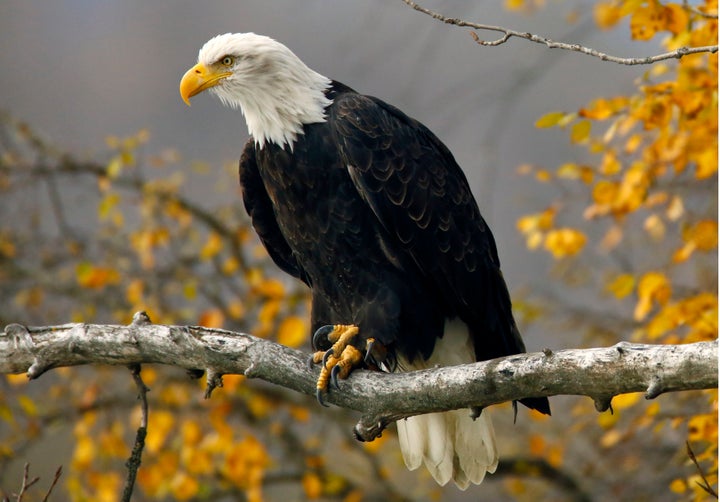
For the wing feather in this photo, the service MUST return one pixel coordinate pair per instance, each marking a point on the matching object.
(259, 207)
(423, 201)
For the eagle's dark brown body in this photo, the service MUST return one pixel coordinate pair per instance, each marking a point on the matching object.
(372, 212)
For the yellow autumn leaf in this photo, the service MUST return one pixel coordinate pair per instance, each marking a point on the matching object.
(84, 453)
(134, 291)
(706, 163)
(334, 484)
(212, 318)
(160, 424)
(623, 401)
(605, 192)
(603, 108)
(197, 460)
(107, 204)
(266, 317)
(150, 479)
(112, 443)
(607, 420)
(106, 486)
(678, 486)
(703, 234)
(549, 120)
(184, 486)
(676, 18)
(537, 221)
(356, 495)
(534, 240)
(293, 331)
(526, 224)
(654, 226)
(646, 21)
(92, 277)
(236, 309)
(668, 318)
(212, 246)
(675, 208)
(149, 374)
(555, 455)
(174, 395)
(537, 445)
(653, 287)
(232, 382)
(230, 265)
(580, 131)
(543, 175)
(564, 242)
(190, 289)
(114, 167)
(312, 485)
(271, 288)
(302, 414)
(702, 427)
(260, 406)
(606, 14)
(243, 459)
(16, 380)
(7, 246)
(569, 171)
(633, 143)
(621, 286)
(28, 405)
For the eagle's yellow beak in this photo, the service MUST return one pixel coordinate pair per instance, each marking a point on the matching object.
(198, 78)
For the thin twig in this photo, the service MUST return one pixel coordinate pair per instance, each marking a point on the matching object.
(58, 473)
(133, 463)
(508, 34)
(704, 485)
(25, 483)
(697, 11)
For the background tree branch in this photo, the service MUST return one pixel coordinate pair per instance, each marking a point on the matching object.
(599, 373)
(507, 34)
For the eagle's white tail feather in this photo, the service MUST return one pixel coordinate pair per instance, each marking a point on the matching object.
(451, 444)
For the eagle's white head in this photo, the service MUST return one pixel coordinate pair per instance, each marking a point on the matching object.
(275, 90)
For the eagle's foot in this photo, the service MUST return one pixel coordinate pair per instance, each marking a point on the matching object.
(339, 360)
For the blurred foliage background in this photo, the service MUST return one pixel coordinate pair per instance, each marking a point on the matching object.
(604, 204)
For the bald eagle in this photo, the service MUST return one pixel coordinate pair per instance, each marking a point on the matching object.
(369, 208)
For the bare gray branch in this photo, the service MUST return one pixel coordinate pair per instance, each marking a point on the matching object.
(507, 34)
(599, 373)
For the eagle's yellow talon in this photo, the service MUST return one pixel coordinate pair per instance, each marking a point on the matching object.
(339, 360)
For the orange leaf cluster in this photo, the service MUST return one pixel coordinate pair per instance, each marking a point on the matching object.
(654, 181)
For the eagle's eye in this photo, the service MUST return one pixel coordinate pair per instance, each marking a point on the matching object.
(227, 61)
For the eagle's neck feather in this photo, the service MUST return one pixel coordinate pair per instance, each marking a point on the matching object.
(276, 110)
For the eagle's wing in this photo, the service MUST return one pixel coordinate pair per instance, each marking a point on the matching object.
(259, 206)
(432, 222)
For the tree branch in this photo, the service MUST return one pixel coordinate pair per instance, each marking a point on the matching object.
(507, 34)
(599, 373)
(133, 463)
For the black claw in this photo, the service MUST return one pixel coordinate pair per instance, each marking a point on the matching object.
(319, 396)
(320, 337)
(376, 353)
(311, 361)
(334, 377)
(369, 357)
(327, 354)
